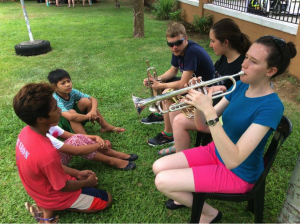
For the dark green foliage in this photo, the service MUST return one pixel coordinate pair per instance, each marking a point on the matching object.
(166, 9)
(176, 15)
(203, 24)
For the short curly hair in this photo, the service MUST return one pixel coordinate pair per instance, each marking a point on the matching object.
(33, 101)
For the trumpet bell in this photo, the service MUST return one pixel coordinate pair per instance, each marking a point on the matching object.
(136, 101)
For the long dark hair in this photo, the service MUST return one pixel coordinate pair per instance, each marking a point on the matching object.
(227, 29)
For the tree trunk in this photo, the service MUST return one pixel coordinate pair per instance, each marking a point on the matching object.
(138, 19)
(290, 212)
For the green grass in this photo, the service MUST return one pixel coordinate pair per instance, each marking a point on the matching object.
(95, 45)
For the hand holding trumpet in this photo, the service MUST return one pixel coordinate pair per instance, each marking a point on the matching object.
(200, 100)
(152, 82)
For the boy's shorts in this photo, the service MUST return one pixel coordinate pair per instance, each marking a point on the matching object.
(91, 199)
(65, 124)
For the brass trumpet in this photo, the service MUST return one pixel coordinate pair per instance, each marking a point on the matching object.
(188, 111)
(140, 103)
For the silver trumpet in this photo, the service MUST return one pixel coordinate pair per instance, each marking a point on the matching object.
(151, 72)
(140, 103)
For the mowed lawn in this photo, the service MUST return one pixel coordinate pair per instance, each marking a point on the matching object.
(95, 45)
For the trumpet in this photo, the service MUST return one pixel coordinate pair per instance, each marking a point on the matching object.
(140, 103)
(155, 107)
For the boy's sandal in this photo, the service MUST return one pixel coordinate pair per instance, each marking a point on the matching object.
(118, 130)
(34, 210)
(53, 219)
(37, 214)
(167, 151)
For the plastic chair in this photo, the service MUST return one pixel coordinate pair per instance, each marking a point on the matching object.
(255, 197)
(202, 139)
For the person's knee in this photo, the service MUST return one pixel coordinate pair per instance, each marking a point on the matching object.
(160, 181)
(179, 121)
(157, 167)
(84, 103)
(109, 202)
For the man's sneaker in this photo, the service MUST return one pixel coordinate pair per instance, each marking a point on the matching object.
(153, 119)
(160, 139)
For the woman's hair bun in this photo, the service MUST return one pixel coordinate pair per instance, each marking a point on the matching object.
(292, 49)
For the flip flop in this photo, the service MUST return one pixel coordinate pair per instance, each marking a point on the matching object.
(37, 213)
(34, 210)
(171, 149)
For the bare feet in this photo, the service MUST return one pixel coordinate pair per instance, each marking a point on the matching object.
(110, 128)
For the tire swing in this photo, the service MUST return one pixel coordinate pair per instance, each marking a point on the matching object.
(32, 47)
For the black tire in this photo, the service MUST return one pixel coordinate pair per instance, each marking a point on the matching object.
(31, 49)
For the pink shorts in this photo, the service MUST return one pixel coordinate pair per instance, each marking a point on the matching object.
(210, 174)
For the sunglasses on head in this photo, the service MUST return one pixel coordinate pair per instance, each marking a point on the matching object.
(176, 43)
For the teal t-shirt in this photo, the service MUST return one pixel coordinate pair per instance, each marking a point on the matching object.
(74, 97)
(239, 115)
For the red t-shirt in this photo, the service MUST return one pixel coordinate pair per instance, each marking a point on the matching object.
(41, 171)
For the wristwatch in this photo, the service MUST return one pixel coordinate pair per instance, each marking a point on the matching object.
(212, 122)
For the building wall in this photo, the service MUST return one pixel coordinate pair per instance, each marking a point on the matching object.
(254, 31)
(189, 11)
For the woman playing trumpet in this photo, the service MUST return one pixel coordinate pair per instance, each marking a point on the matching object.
(233, 162)
(227, 41)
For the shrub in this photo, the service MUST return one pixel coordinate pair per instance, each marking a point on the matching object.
(203, 24)
(176, 15)
(164, 8)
